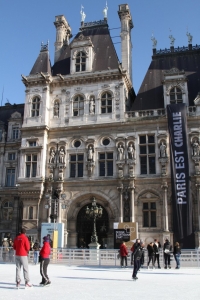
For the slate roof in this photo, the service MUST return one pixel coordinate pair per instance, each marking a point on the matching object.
(105, 54)
(150, 95)
(42, 63)
(7, 110)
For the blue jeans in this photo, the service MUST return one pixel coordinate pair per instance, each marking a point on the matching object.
(36, 255)
(177, 258)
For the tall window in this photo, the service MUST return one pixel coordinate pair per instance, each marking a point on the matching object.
(147, 154)
(78, 106)
(80, 62)
(31, 165)
(15, 133)
(106, 103)
(11, 156)
(176, 96)
(35, 107)
(10, 177)
(76, 165)
(149, 214)
(106, 164)
(30, 213)
(7, 208)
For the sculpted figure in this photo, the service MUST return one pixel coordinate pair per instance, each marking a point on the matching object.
(120, 150)
(105, 11)
(163, 150)
(56, 109)
(130, 151)
(90, 154)
(196, 148)
(52, 156)
(92, 106)
(61, 156)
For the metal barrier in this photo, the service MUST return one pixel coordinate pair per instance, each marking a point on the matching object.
(101, 257)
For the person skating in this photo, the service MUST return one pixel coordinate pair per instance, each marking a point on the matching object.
(136, 255)
(44, 261)
(151, 254)
(157, 247)
(167, 248)
(177, 254)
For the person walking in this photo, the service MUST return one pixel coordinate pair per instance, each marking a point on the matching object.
(123, 254)
(21, 246)
(177, 254)
(167, 248)
(157, 247)
(136, 255)
(151, 255)
(36, 248)
(5, 249)
(44, 261)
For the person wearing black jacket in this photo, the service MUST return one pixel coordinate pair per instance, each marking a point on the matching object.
(151, 254)
(137, 254)
(177, 254)
(156, 247)
(167, 248)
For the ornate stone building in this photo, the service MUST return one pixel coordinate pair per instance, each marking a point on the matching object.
(86, 134)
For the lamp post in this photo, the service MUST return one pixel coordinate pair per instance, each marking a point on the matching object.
(94, 213)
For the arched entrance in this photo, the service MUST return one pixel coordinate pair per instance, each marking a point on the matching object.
(84, 227)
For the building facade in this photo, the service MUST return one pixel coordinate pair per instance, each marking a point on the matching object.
(84, 133)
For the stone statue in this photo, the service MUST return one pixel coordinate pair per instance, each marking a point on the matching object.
(196, 148)
(4, 136)
(52, 156)
(172, 39)
(61, 156)
(154, 42)
(189, 38)
(163, 150)
(105, 11)
(130, 151)
(83, 15)
(56, 109)
(92, 105)
(90, 154)
(120, 154)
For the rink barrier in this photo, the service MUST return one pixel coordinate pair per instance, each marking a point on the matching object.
(101, 257)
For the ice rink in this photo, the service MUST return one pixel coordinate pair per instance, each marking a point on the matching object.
(80, 283)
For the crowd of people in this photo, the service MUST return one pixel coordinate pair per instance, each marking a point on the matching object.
(154, 251)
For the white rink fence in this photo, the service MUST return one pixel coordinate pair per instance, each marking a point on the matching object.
(102, 257)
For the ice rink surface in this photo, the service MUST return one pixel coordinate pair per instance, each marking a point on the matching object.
(98, 283)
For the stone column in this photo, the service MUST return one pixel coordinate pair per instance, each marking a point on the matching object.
(197, 234)
(121, 217)
(165, 207)
(59, 210)
(132, 201)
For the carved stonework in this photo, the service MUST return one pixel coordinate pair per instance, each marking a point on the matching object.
(163, 161)
(131, 166)
(90, 166)
(120, 165)
(197, 100)
(196, 160)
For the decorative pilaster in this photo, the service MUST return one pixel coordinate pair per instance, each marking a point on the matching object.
(165, 207)
(131, 189)
(120, 190)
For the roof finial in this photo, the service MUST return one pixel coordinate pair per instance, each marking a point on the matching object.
(83, 15)
(105, 11)
(172, 39)
(154, 41)
(189, 38)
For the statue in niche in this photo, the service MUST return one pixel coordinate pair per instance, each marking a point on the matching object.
(61, 156)
(130, 151)
(90, 154)
(92, 106)
(52, 156)
(163, 150)
(120, 154)
(4, 136)
(196, 148)
(56, 109)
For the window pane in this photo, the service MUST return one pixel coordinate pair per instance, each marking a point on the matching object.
(110, 155)
(77, 68)
(28, 170)
(179, 96)
(28, 158)
(143, 150)
(83, 59)
(145, 205)
(153, 219)
(103, 110)
(73, 157)
(152, 165)
(80, 157)
(109, 109)
(151, 139)
(34, 169)
(145, 219)
(153, 205)
(109, 102)
(80, 169)
(34, 157)
(172, 97)
(102, 156)
(110, 168)
(31, 213)
(151, 149)
(143, 165)
(101, 168)
(72, 170)
(143, 139)
(103, 102)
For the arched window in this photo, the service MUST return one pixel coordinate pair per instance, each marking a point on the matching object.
(35, 107)
(176, 95)
(106, 103)
(80, 61)
(30, 213)
(78, 106)
(7, 209)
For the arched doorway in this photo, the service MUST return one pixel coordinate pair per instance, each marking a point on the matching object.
(84, 227)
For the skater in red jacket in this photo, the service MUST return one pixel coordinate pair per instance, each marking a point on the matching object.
(44, 261)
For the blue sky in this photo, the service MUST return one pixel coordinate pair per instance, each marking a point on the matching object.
(25, 24)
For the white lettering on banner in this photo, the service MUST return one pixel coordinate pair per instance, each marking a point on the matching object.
(179, 162)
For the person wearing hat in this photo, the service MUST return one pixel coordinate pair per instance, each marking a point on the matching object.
(44, 261)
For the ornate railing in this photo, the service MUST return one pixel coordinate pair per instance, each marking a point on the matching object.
(178, 49)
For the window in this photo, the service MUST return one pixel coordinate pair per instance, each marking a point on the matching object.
(15, 133)
(10, 177)
(149, 214)
(76, 165)
(147, 154)
(30, 213)
(11, 156)
(32, 144)
(106, 164)
(106, 142)
(78, 106)
(31, 165)
(106, 103)
(80, 62)
(35, 107)
(77, 144)
(7, 208)
(176, 96)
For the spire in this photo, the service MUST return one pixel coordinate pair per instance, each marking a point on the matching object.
(42, 63)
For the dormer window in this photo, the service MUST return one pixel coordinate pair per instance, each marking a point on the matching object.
(80, 61)
(35, 107)
(176, 96)
(78, 106)
(32, 144)
(15, 132)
